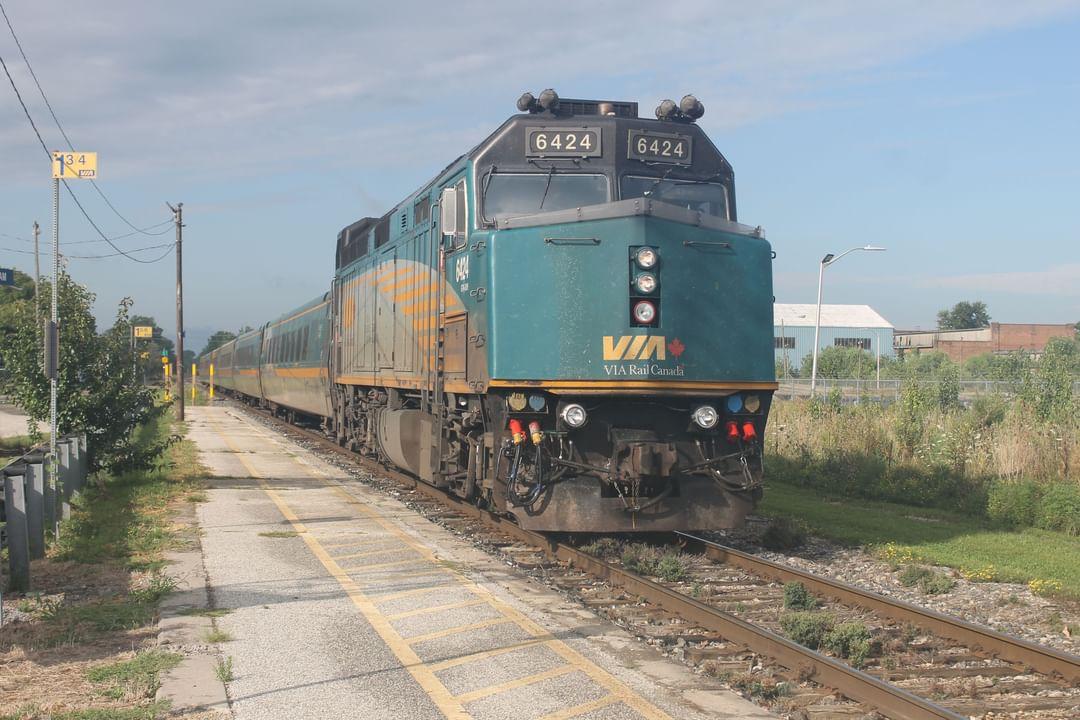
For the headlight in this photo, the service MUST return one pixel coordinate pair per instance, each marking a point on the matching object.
(516, 401)
(644, 312)
(645, 283)
(706, 416)
(734, 403)
(646, 258)
(574, 415)
(752, 403)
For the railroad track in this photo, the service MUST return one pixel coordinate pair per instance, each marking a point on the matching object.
(930, 666)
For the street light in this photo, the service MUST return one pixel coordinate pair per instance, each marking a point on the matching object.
(829, 259)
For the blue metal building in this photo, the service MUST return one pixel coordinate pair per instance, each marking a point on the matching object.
(844, 325)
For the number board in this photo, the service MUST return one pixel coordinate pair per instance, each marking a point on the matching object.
(74, 165)
(144, 331)
(660, 147)
(547, 142)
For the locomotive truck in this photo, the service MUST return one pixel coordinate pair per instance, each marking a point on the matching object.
(567, 324)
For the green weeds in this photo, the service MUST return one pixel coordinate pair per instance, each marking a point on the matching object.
(136, 678)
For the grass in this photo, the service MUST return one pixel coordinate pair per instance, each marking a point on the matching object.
(101, 586)
(126, 519)
(224, 670)
(206, 612)
(136, 678)
(935, 536)
(217, 636)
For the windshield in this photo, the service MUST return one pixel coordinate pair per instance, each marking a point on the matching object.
(709, 198)
(522, 194)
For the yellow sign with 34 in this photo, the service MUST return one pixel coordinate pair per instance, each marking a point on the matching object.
(144, 331)
(74, 165)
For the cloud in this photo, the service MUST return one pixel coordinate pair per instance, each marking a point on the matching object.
(216, 87)
(1061, 281)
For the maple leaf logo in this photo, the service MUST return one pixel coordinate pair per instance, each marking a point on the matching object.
(676, 348)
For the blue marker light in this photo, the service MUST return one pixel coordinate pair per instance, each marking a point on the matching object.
(734, 403)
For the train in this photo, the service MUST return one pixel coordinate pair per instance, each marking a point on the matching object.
(568, 324)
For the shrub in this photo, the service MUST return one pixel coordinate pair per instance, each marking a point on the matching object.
(936, 584)
(913, 575)
(797, 597)
(1059, 509)
(1014, 503)
(604, 547)
(783, 534)
(671, 567)
(806, 628)
(640, 558)
(849, 640)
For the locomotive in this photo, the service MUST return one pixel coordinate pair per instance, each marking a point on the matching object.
(567, 324)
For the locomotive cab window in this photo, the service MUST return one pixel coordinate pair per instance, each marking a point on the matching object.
(509, 194)
(705, 197)
(453, 215)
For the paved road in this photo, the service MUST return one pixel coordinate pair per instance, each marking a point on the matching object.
(13, 422)
(346, 604)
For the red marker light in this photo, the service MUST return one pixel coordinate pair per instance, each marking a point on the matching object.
(749, 432)
(535, 432)
(516, 431)
(732, 431)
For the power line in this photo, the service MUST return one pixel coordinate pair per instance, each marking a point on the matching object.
(45, 147)
(61, 127)
(102, 257)
(115, 237)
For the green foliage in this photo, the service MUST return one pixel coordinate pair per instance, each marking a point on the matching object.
(806, 628)
(914, 574)
(964, 315)
(1013, 502)
(1059, 509)
(1010, 367)
(843, 362)
(223, 669)
(603, 547)
(937, 584)
(783, 534)
(97, 388)
(647, 560)
(1047, 388)
(797, 597)
(135, 678)
(217, 340)
(849, 640)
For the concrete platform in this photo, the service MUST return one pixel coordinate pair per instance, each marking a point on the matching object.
(347, 604)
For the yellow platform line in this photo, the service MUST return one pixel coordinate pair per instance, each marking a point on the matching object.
(435, 608)
(423, 675)
(406, 593)
(366, 553)
(484, 654)
(457, 630)
(384, 566)
(466, 698)
(598, 675)
(581, 709)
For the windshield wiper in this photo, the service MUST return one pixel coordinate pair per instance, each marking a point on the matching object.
(662, 178)
(547, 186)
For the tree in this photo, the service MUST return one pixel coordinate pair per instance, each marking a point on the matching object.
(842, 362)
(97, 387)
(217, 340)
(12, 299)
(150, 349)
(964, 315)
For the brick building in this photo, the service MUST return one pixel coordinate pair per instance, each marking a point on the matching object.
(960, 345)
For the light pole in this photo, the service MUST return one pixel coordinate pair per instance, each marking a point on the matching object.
(829, 259)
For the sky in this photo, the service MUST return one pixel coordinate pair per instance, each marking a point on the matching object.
(944, 132)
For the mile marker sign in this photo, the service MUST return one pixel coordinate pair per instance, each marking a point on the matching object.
(74, 165)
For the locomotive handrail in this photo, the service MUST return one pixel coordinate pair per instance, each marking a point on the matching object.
(572, 241)
(714, 243)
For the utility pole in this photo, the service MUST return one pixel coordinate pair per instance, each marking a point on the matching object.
(37, 272)
(178, 215)
(52, 335)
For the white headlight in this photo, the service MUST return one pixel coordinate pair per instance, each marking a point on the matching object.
(645, 283)
(646, 258)
(706, 416)
(574, 415)
(644, 312)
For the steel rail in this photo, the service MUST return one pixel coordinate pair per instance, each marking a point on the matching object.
(1045, 660)
(862, 687)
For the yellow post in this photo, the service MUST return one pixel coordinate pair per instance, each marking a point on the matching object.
(168, 379)
(194, 377)
(211, 381)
